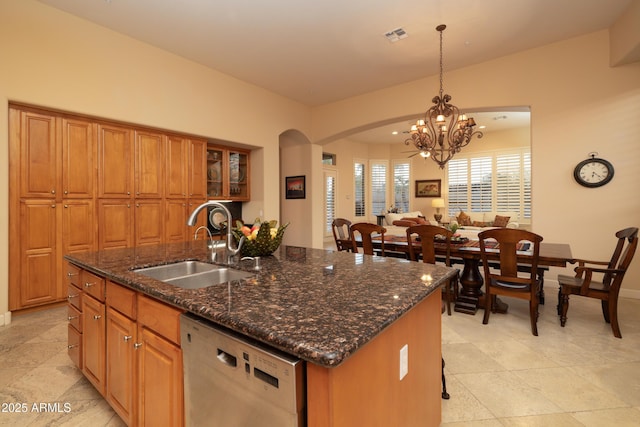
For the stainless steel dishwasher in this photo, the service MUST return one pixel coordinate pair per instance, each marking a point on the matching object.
(232, 381)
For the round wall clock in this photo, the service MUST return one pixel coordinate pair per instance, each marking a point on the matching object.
(593, 172)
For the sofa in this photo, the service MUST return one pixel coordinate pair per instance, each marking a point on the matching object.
(469, 224)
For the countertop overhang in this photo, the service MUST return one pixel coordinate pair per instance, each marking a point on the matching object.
(318, 305)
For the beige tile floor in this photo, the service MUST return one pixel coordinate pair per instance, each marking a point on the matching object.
(498, 374)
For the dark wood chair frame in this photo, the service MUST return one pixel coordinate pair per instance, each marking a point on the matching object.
(427, 234)
(341, 234)
(608, 289)
(506, 280)
(366, 231)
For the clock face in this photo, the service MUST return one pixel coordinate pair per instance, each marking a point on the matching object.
(593, 172)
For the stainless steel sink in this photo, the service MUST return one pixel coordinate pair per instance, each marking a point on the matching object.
(193, 274)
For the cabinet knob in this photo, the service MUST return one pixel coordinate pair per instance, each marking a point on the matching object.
(66, 192)
(126, 338)
(66, 206)
(88, 284)
(97, 317)
(53, 191)
(53, 206)
(72, 317)
(137, 345)
(69, 274)
(70, 346)
(128, 193)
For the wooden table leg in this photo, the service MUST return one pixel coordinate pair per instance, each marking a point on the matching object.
(471, 296)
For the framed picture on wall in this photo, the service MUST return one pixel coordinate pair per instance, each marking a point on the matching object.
(428, 188)
(295, 187)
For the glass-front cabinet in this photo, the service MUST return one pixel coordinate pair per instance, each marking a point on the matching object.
(227, 173)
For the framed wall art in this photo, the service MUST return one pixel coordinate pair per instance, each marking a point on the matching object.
(428, 188)
(295, 187)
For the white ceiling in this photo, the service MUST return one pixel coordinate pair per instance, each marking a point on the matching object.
(319, 51)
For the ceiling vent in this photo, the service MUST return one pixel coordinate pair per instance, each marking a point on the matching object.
(395, 35)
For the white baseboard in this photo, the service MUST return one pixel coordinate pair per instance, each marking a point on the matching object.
(5, 318)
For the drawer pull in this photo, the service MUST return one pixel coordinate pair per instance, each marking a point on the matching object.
(97, 317)
(70, 346)
(72, 317)
(126, 338)
(73, 296)
(137, 345)
(88, 284)
(70, 274)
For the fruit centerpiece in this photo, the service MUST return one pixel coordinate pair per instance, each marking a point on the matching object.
(261, 239)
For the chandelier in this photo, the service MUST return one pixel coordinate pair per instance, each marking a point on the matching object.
(444, 131)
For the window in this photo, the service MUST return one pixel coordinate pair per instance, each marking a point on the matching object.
(491, 182)
(328, 159)
(378, 186)
(359, 189)
(329, 200)
(401, 178)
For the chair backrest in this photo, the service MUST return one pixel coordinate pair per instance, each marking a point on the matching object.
(366, 231)
(340, 228)
(428, 235)
(622, 255)
(509, 244)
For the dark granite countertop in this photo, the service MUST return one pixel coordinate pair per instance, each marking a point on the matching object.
(320, 306)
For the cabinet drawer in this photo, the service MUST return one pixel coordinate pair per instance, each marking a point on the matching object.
(121, 299)
(74, 345)
(93, 285)
(72, 275)
(74, 316)
(159, 317)
(74, 296)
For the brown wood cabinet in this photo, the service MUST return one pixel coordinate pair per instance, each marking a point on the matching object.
(228, 173)
(81, 184)
(128, 346)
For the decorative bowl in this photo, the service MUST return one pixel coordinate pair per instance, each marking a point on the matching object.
(261, 239)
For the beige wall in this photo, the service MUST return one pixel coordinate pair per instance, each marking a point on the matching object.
(52, 59)
(578, 103)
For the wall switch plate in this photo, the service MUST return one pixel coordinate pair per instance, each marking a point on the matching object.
(404, 361)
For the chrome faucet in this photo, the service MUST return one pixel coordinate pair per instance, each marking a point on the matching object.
(191, 221)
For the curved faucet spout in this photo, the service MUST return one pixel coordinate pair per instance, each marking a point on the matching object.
(191, 221)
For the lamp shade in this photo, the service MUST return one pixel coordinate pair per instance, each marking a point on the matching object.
(437, 203)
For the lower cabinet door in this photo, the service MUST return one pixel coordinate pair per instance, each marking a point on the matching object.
(93, 349)
(160, 377)
(121, 364)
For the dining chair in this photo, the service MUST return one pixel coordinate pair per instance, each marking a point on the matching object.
(366, 231)
(340, 228)
(428, 235)
(505, 280)
(607, 290)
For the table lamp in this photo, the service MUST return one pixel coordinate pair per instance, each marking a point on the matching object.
(437, 203)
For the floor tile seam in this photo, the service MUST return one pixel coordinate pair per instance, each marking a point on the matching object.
(598, 390)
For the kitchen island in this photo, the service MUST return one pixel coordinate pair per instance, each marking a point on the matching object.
(347, 315)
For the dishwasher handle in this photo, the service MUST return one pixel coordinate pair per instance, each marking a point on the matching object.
(227, 358)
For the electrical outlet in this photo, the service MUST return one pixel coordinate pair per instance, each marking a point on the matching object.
(404, 361)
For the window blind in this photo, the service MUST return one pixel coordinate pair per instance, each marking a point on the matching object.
(378, 187)
(359, 189)
(401, 177)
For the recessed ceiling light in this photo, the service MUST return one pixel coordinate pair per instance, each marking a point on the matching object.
(395, 132)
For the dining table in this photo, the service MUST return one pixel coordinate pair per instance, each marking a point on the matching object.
(467, 252)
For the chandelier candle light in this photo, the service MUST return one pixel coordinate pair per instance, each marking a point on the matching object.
(444, 130)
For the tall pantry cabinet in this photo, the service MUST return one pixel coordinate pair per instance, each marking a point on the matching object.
(82, 184)
(51, 191)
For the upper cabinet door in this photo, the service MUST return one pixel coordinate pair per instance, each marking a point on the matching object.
(38, 159)
(149, 164)
(197, 168)
(78, 159)
(176, 170)
(239, 175)
(115, 167)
